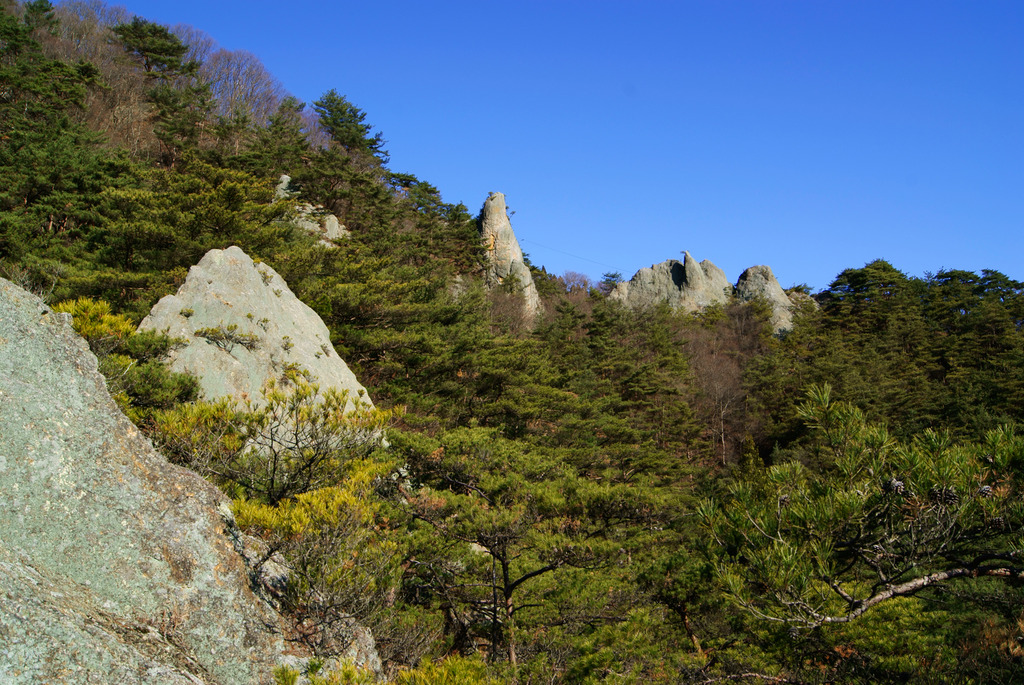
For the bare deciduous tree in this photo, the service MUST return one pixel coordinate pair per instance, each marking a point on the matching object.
(719, 351)
(120, 110)
(200, 43)
(242, 86)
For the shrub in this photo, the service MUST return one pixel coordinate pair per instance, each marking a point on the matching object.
(93, 320)
(226, 337)
(296, 440)
(342, 566)
(130, 360)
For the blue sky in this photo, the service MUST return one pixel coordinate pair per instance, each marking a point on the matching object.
(808, 135)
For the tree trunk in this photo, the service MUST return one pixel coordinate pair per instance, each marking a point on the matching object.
(510, 634)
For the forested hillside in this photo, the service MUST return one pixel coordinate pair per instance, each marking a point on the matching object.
(602, 494)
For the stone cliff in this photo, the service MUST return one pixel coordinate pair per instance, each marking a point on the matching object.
(243, 326)
(504, 256)
(115, 566)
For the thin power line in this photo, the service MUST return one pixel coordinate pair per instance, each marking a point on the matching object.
(570, 254)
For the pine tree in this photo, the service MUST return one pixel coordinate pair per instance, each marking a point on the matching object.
(345, 124)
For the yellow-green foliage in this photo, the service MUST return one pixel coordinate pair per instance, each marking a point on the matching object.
(93, 320)
(199, 435)
(302, 437)
(129, 360)
(346, 674)
(626, 651)
(286, 676)
(451, 671)
(226, 337)
(349, 504)
(298, 440)
(905, 636)
(342, 562)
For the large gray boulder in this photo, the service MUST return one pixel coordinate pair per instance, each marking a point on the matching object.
(504, 256)
(115, 566)
(242, 327)
(686, 285)
(758, 282)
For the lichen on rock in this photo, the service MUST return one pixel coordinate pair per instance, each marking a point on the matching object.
(115, 565)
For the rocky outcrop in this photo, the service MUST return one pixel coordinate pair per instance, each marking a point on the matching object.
(243, 326)
(691, 287)
(685, 285)
(758, 282)
(504, 256)
(315, 220)
(115, 566)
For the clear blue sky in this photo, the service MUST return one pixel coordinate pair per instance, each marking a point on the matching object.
(809, 135)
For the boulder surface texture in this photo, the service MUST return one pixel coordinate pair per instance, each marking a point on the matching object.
(243, 326)
(115, 566)
(684, 285)
(504, 256)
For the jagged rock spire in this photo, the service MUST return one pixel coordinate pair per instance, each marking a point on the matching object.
(504, 256)
(691, 287)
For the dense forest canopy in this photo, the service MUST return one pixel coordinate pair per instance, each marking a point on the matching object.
(601, 495)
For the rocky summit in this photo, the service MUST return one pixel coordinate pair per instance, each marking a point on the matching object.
(115, 566)
(685, 285)
(691, 287)
(504, 256)
(242, 326)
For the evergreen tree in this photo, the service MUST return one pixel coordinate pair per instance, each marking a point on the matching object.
(280, 147)
(182, 103)
(517, 525)
(51, 168)
(159, 51)
(344, 123)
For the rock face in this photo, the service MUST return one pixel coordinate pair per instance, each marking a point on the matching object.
(312, 219)
(115, 565)
(243, 326)
(760, 282)
(684, 285)
(505, 258)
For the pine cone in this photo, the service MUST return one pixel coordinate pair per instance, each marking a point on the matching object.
(893, 485)
(944, 496)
